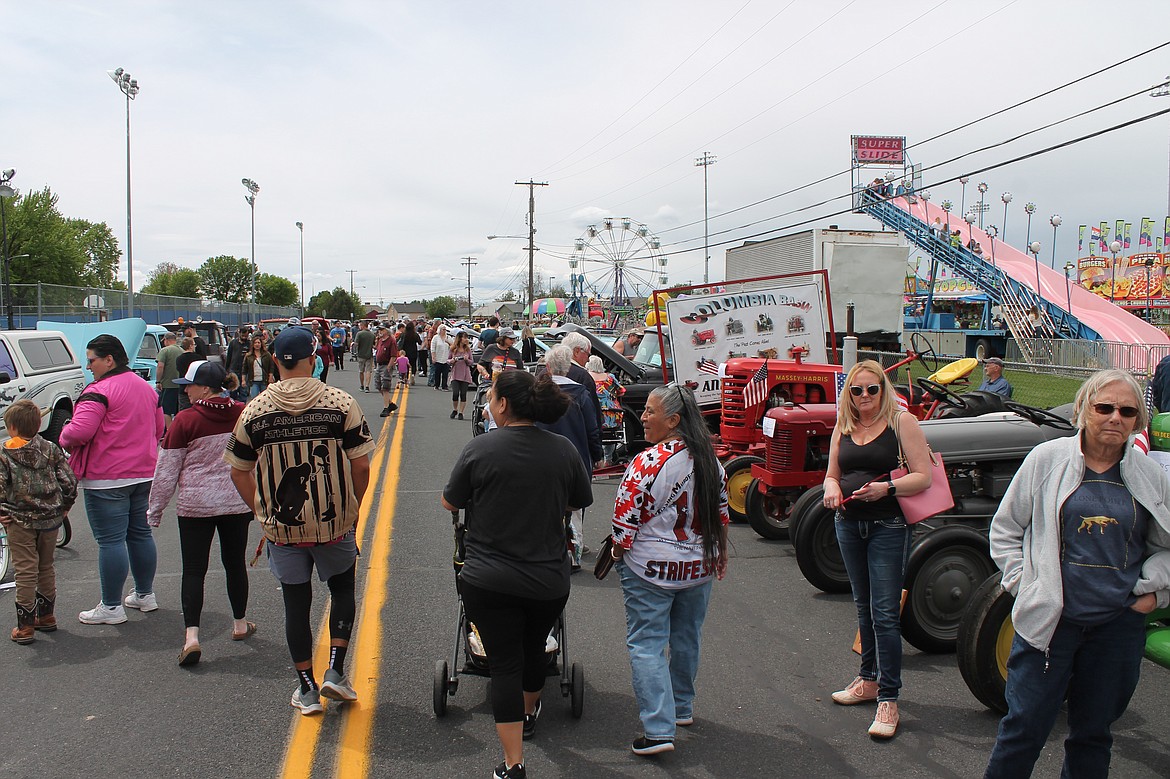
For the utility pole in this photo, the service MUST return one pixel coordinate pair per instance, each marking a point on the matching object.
(531, 230)
(708, 159)
(351, 272)
(468, 262)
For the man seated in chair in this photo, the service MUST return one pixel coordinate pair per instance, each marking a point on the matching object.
(993, 380)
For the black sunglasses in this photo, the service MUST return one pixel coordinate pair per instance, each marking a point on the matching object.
(872, 389)
(1107, 409)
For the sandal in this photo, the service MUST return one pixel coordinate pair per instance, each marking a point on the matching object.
(190, 655)
(241, 636)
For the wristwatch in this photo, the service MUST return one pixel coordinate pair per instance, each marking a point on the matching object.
(891, 491)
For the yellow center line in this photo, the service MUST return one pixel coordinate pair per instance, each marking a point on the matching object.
(305, 732)
(353, 751)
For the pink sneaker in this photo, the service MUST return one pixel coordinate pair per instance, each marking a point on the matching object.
(859, 691)
(885, 722)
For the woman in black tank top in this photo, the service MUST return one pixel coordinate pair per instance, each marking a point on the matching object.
(872, 534)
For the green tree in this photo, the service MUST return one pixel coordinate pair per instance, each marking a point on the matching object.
(508, 296)
(169, 278)
(558, 292)
(319, 304)
(61, 251)
(338, 304)
(273, 290)
(227, 278)
(100, 249)
(441, 307)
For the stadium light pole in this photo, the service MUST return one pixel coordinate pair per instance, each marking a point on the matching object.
(253, 190)
(129, 87)
(301, 228)
(707, 160)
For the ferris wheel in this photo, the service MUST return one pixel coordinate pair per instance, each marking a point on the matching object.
(617, 261)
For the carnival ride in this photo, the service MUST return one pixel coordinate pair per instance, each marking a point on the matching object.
(617, 263)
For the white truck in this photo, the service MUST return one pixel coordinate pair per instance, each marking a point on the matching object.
(865, 267)
(40, 366)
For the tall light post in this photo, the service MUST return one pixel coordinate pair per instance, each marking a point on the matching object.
(1068, 269)
(1029, 209)
(129, 88)
(992, 231)
(982, 187)
(301, 228)
(707, 160)
(1006, 197)
(1114, 248)
(963, 199)
(1034, 247)
(1055, 221)
(1149, 264)
(253, 190)
(6, 191)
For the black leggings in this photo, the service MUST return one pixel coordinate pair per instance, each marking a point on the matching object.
(442, 370)
(339, 358)
(298, 599)
(195, 534)
(514, 631)
(459, 390)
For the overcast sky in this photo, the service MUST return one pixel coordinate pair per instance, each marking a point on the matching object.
(395, 130)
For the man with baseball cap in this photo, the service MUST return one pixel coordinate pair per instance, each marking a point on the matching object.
(993, 380)
(300, 459)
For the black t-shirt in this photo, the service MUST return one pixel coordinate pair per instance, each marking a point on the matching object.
(515, 484)
(494, 356)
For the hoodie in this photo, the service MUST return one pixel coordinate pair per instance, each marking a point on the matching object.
(37, 484)
(299, 436)
(191, 463)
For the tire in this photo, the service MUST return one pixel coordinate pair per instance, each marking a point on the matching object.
(817, 553)
(577, 696)
(5, 554)
(439, 691)
(739, 476)
(946, 568)
(635, 435)
(57, 422)
(813, 496)
(768, 512)
(64, 534)
(985, 642)
(984, 349)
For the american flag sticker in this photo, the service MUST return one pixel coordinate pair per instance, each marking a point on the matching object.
(708, 366)
(840, 381)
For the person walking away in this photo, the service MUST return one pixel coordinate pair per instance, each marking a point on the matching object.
(408, 347)
(582, 347)
(993, 380)
(37, 489)
(609, 393)
(440, 354)
(578, 425)
(363, 343)
(328, 355)
(305, 482)
(336, 349)
(235, 362)
(1082, 536)
(258, 367)
(404, 372)
(528, 351)
(113, 442)
(670, 542)
(165, 372)
(460, 365)
(424, 353)
(487, 336)
(183, 362)
(190, 463)
(872, 533)
(385, 368)
(515, 578)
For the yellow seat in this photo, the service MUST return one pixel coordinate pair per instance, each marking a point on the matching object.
(952, 372)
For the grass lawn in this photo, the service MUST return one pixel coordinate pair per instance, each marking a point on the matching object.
(1043, 390)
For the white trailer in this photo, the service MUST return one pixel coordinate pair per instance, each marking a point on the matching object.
(865, 267)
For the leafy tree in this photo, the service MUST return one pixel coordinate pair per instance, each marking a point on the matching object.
(273, 290)
(508, 296)
(319, 304)
(441, 307)
(227, 278)
(558, 292)
(169, 278)
(338, 304)
(61, 251)
(99, 247)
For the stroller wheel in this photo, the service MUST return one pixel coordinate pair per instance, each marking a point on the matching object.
(439, 693)
(577, 699)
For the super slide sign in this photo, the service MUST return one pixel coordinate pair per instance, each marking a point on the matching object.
(879, 149)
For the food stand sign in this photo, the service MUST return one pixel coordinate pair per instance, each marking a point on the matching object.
(879, 150)
(708, 330)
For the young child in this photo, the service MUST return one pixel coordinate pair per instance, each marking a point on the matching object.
(403, 367)
(37, 489)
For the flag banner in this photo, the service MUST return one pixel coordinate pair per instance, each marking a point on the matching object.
(1104, 241)
(1144, 235)
(1166, 233)
(1125, 238)
(1081, 239)
(756, 390)
(1118, 229)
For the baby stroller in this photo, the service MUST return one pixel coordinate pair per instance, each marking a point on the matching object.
(479, 419)
(475, 660)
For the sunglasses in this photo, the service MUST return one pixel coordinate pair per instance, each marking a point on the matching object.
(1107, 409)
(872, 389)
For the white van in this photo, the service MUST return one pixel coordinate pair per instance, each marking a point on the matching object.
(38, 365)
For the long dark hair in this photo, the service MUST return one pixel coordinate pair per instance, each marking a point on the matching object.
(539, 400)
(708, 481)
(109, 346)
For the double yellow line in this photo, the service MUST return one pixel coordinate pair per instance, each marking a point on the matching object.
(358, 718)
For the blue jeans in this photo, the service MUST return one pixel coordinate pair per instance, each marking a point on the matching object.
(118, 519)
(655, 619)
(875, 554)
(255, 388)
(1098, 666)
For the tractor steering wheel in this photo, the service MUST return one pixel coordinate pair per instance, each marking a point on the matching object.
(923, 350)
(941, 393)
(1038, 416)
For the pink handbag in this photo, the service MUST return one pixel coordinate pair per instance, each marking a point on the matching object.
(935, 499)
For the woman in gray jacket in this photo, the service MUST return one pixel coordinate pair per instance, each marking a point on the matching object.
(1081, 537)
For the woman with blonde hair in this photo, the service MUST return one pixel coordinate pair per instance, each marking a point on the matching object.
(872, 533)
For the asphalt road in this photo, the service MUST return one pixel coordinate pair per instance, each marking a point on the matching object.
(111, 701)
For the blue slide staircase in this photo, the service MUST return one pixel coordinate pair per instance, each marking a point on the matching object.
(1013, 297)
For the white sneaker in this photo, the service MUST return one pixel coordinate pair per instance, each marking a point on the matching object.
(142, 601)
(102, 614)
(551, 645)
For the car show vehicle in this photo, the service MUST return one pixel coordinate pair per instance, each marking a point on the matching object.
(210, 330)
(40, 365)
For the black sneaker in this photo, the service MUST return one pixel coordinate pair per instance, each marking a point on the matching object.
(515, 772)
(461, 416)
(385, 412)
(530, 722)
(452, 414)
(651, 746)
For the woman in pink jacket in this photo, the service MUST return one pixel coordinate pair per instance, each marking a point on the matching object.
(113, 441)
